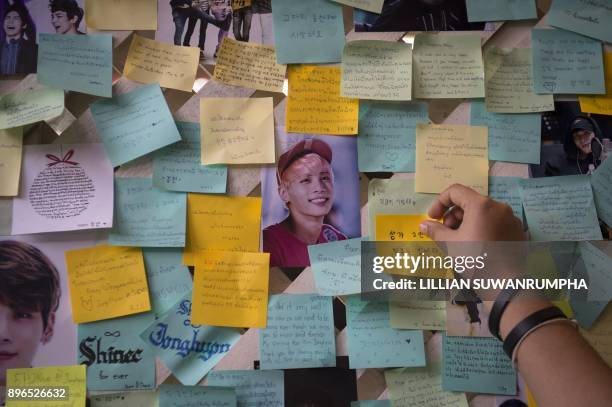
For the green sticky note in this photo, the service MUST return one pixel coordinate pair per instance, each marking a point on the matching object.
(477, 365)
(169, 280)
(421, 387)
(146, 216)
(175, 395)
(501, 10)
(308, 31)
(253, 387)
(564, 62)
(387, 135)
(601, 179)
(189, 351)
(590, 18)
(506, 190)
(134, 124)
(127, 399)
(82, 63)
(115, 356)
(418, 314)
(178, 167)
(336, 267)
(512, 137)
(371, 403)
(19, 109)
(372, 343)
(6, 216)
(306, 319)
(560, 208)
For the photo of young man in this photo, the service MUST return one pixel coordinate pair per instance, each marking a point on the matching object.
(18, 52)
(242, 15)
(182, 10)
(66, 16)
(204, 7)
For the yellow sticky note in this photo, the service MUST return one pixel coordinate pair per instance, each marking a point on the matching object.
(449, 154)
(249, 65)
(69, 384)
(400, 228)
(11, 143)
(121, 14)
(600, 104)
(171, 66)
(106, 282)
(237, 130)
(314, 104)
(230, 289)
(221, 223)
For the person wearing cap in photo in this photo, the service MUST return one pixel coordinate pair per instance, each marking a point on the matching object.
(306, 186)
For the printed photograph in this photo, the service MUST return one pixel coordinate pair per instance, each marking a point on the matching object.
(466, 316)
(310, 197)
(204, 23)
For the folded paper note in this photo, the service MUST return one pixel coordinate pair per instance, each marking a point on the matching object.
(19, 109)
(121, 14)
(11, 146)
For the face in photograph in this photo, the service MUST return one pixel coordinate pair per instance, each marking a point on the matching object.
(66, 16)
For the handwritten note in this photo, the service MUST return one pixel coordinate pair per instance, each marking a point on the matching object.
(501, 10)
(72, 377)
(115, 357)
(176, 395)
(121, 14)
(400, 227)
(299, 333)
(171, 66)
(509, 82)
(564, 62)
(447, 66)
(421, 387)
(512, 137)
(178, 167)
(387, 135)
(249, 65)
(374, 6)
(231, 289)
(590, 18)
(371, 403)
(221, 223)
(314, 104)
(253, 387)
(106, 282)
(600, 336)
(188, 350)
(601, 180)
(237, 130)
(146, 216)
(11, 145)
(304, 36)
(560, 208)
(134, 124)
(82, 63)
(506, 190)
(19, 109)
(373, 343)
(379, 70)
(64, 187)
(448, 154)
(477, 365)
(426, 315)
(600, 104)
(169, 280)
(126, 399)
(336, 267)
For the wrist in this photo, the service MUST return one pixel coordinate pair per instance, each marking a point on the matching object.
(519, 309)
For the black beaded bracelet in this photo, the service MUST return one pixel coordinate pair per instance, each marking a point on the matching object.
(499, 306)
(528, 324)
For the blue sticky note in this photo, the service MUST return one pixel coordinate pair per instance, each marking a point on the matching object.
(115, 356)
(477, 365)
(253, 387)
(500, 10)
(299, 333)
(601, 179)
(372, 343)
(176, 395)
(560, 208)
(82, 63)
(337, 267)
(387, 135)
(564, 62)
(590, 18)
(513, 137)
(189, 351)
(308, 31)
(178, 167)
(146, 216)
(371, 403)
(169, 280)
(506, 190)
(134, 124)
